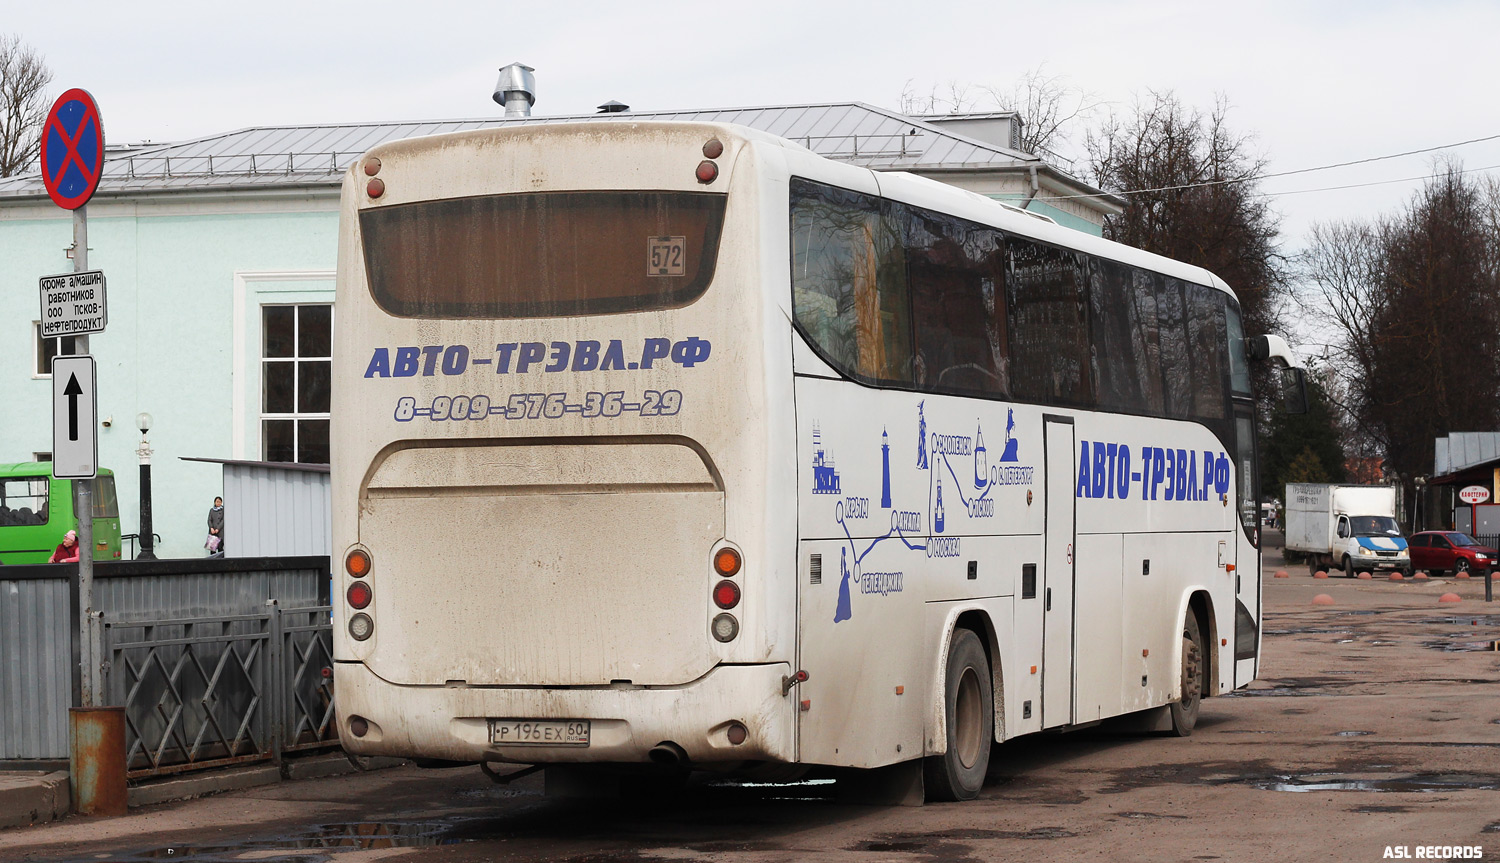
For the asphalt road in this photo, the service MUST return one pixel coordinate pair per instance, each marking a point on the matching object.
(1376, 726)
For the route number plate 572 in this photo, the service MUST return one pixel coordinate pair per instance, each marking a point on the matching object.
(532, 732)
(666, 256)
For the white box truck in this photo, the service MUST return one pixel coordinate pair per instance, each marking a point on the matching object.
(1351, 528)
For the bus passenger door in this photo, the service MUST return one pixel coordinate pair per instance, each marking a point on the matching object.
(1057, 575)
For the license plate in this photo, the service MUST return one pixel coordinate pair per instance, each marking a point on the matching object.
(539, 732)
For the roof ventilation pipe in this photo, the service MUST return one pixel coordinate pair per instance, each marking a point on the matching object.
(613, 107)
(516, 89)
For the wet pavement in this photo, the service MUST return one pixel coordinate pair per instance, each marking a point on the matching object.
(1376, 724)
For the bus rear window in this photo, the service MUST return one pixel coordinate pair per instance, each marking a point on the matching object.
(548, 254)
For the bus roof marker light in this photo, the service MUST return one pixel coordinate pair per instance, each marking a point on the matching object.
(707, 172)
(361, 627)
(726, 561)
(359, 594)
(714, 148)
(376, 187)
(372, 166)
(726, 594)
(357, 563)
(725, 628)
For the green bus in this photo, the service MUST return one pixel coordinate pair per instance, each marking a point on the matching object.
(36, 509)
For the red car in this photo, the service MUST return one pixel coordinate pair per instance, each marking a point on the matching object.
(1439, 551)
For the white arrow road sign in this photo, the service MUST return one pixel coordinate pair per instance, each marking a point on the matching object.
(75, 434)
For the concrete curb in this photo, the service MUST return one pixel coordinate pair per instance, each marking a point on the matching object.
(33, 798)
(235, 779)
(37, 797)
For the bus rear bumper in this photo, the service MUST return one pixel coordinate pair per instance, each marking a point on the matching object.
(453, 722)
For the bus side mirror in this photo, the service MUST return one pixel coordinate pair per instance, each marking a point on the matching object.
(1294, 390)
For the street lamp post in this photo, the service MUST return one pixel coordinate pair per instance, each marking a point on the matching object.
(143, 422)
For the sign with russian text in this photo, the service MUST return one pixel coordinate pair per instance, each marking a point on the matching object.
(73, 304)
(1473, 494)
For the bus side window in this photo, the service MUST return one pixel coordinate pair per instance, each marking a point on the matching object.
(1206, 342)
(849, 282)
(1176, 360)
(1127, 358)
(1049, 334)
(956, 271)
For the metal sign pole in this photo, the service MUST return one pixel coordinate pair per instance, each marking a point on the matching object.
(83, 506)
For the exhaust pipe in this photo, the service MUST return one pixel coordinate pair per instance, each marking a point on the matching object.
(516, 89)
(668, 753)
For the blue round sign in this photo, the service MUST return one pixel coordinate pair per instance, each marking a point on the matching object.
(72, 149)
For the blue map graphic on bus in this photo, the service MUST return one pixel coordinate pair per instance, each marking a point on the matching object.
(958, 478)
(1011, 444)
(825, 478)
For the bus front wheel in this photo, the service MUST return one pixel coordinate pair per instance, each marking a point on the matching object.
(1194, 678)
(958, 774)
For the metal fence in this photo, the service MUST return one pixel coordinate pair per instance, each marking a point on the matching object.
(209, 691)
(214, 660)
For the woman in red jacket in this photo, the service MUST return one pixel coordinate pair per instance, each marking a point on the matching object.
(67, 550)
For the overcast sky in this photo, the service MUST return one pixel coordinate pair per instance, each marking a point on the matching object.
(1315, 83)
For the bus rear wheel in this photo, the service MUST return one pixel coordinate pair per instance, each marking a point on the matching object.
(1194, 678)
(958, 774)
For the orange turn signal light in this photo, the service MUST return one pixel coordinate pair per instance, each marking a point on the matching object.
(357, 563)
(726, 561)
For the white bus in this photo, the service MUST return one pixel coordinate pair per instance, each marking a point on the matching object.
(675, 442)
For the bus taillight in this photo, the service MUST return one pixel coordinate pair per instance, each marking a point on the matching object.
(359, 594)
(726, 594)
(361, 626)
(707, 172)
(357, 563)
(725, 627)
(726, 562)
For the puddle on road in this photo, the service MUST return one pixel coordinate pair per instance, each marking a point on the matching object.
(1311, 630)
(1418, 783)
(1470, 620)
(1352, 733)
(1491, 828)
(358, 835)
(1374, 810)
(1357, 613)
(1463, 646)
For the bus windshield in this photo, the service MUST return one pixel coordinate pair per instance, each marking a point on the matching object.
(542, 254)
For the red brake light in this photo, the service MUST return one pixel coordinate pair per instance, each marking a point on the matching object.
(726, 594)
(359, 594)
(707, 172)
(375, 187)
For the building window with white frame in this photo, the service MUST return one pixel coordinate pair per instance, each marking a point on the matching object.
(47, 348)
(296, 371)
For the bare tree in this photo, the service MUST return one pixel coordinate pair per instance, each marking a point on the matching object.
(1414, 299)
(1049, 107)
(24, 77)
(1191, 185)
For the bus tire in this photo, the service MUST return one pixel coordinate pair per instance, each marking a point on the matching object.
(1194, 678)
(969, 712)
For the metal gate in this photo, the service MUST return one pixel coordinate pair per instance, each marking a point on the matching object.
(209, 691)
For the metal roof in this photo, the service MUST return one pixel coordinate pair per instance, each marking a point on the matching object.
(267, 157)
(1461, 450)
